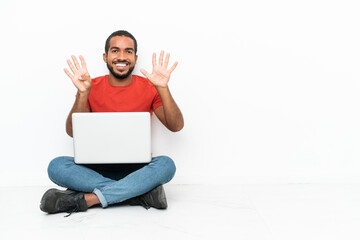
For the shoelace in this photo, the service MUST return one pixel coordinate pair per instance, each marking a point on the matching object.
(144, 204)
(72, 210)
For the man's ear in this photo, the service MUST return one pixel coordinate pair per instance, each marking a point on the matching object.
(136, 58)
(105, 57)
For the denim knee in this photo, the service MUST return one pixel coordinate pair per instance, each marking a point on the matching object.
(168, 166)
(56, 167)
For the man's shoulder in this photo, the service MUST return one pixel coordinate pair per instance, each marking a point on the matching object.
(99, 80)
(143, 81)
(140, 78)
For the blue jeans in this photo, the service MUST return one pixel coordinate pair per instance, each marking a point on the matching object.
(112, 183)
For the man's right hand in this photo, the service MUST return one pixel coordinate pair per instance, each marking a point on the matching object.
(80, 75)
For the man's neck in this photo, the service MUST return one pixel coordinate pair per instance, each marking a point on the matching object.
(120, 82)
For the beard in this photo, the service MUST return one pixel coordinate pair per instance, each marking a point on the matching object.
(117, 75)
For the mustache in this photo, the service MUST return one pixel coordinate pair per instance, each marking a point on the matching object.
(121, 61)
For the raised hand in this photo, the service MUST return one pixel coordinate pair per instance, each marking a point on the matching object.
(160, 75)
(80, 75)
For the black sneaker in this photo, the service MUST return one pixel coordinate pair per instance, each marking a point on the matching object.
(155, 198)
(69, 201)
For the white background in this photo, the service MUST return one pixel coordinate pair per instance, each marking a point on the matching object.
(269, 89)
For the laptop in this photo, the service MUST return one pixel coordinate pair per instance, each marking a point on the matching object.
(112, 137)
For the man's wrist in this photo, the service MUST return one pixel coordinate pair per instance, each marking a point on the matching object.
(83, 94)
(162, 89)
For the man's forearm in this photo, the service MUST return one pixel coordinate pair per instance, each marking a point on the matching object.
(173, 116)
(79, 106)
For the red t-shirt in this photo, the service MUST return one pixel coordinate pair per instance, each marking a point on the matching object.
(139, 96)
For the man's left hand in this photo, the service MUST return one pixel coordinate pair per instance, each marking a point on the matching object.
(160, 75)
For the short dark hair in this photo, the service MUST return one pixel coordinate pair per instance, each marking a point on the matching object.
(119, 33)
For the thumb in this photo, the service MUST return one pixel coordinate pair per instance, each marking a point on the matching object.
(146, 74)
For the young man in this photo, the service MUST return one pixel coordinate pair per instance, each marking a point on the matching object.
(120, 91)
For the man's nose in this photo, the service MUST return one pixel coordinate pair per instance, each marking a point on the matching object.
(121, 55)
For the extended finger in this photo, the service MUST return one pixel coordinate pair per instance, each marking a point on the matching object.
(146, 74)
(77, 65)
(154, 59)
(173, 67)
(161, 58)
(83, 63)
(167, 60)
(71, 66)
(68, 73)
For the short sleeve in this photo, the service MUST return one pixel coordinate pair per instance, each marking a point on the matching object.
(156, 102)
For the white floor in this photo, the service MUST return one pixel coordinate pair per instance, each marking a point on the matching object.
(246, 212)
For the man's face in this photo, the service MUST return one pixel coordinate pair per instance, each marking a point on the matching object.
(121, 57)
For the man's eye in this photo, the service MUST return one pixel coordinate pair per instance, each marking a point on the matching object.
(130, 52)
(114, 51)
